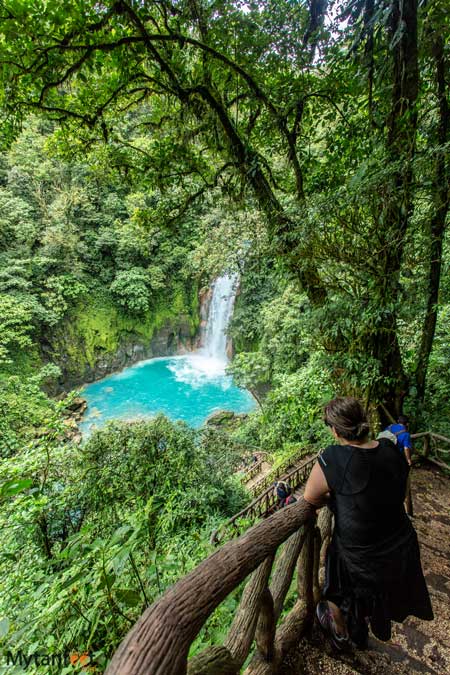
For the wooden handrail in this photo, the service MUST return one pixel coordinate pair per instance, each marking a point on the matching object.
(254, 468)
(158, 644)
(260, 506)
(439, 437)
(430, 448)
(278, 471)
(259, 453)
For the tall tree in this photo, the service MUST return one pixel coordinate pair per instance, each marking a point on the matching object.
(440, 206)
(256, 99)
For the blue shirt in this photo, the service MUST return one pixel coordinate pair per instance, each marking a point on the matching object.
(403, 439)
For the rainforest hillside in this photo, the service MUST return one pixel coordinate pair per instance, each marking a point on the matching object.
(146, 149)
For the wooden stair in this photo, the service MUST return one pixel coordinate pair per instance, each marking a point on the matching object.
(263, 505)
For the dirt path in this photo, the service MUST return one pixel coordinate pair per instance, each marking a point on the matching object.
(416, 646)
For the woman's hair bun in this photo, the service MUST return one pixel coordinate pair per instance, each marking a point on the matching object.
(362, 430)
(348, 417)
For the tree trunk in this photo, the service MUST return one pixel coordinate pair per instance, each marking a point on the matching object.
(441, 198)
(400, 147)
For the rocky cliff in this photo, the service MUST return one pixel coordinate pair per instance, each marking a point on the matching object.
(97, 338)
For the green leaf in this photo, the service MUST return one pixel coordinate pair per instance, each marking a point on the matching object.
(128, 596)
(107, 580)
(72, 580)
(13, 487)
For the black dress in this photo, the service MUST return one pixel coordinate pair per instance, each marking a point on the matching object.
(373, 570)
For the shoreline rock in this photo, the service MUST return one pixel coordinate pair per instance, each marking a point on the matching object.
(225, 419)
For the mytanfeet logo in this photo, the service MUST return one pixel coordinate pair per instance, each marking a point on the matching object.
(79, 660)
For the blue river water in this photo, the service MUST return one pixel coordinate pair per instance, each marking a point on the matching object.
(187, 388)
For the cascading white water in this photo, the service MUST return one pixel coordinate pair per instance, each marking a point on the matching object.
(220, 311)
(209, 362)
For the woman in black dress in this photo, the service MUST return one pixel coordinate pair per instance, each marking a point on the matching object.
(373, 572)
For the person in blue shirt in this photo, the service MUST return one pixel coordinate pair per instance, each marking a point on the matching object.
(400, 431)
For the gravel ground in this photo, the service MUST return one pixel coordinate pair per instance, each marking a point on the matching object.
(416, 646)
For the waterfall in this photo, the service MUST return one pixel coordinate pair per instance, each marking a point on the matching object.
(188, 386)
(209, 362)
(220, 311)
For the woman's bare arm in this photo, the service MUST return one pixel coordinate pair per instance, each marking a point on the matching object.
(317, 491)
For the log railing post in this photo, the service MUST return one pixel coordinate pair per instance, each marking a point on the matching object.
(325, 525)
(316, 565)
(215, 660)
(265, 630)
(305, 568)
(300, 617)
(426, 445)
(285, 567)
(242, 631)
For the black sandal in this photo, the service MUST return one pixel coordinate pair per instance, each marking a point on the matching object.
(327, 623)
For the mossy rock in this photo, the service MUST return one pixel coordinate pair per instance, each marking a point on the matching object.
(226, 419)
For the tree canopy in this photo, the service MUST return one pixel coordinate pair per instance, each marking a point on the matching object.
(146, 148)
(326, 117)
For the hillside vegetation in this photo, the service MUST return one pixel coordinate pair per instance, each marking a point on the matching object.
(145, 149)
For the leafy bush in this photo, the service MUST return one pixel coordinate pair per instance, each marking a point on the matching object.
(131, 290)
(15, 325)
(20, 393)
(95, 533)
(292, 410)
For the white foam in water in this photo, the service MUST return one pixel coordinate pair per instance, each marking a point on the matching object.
(196, 369)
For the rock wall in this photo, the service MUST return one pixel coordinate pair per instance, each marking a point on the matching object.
(98, 339)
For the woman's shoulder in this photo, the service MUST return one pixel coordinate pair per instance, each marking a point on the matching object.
(333, 461)
(335, 454)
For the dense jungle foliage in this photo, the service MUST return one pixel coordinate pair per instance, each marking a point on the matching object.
(145, 149)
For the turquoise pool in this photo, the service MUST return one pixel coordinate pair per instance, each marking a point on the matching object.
(185, 388)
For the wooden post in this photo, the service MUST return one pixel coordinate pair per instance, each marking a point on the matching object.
(300, 617)
(265, 630)
(305, 568)
(426, 445)
(325, 524)
(242, 631)
(316, 585)
(290, 632)
(282, 577)
(215, 660)
(259, 666)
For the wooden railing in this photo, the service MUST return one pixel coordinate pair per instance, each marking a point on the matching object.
(279, 471)
(263, 503)
(252, 470)
(159, 642)
(432, 448)
(269, 554)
